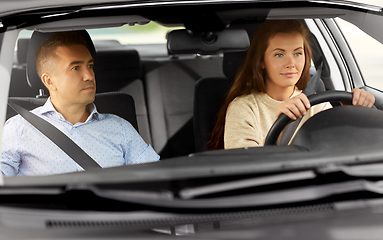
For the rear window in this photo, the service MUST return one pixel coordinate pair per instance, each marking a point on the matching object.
(151, 33)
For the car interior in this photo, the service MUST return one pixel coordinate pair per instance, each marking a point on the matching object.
(175, 97)
(176, 92)
(171, 93)
(122, 72)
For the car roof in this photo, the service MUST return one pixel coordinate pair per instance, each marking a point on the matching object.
(9, 7)
(57, 15)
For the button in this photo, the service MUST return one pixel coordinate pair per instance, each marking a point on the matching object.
(73, 127)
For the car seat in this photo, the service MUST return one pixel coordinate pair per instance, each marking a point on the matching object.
(209, 96)
(120, 69)
(19, 85)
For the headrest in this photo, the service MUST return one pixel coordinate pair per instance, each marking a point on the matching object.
(37, 38)
(107, 44)
(22, 50)
(115, 68)
(229, 40)
(232, 61)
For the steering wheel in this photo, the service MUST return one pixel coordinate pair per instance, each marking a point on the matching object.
(283, 119)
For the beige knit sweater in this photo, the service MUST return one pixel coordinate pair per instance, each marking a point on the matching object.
(249, 118)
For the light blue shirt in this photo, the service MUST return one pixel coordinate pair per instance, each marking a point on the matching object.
(108, 139)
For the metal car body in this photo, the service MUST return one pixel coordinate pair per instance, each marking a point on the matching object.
(325, 185)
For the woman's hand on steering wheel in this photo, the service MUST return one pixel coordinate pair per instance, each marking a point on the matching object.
(357, 97)
(295, 107)
(362, 98)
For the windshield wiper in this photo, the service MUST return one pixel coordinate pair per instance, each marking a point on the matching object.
(277, 197)
(365, 170)
(189, 193)
(310, 185)
(371, 170)
(166, 200)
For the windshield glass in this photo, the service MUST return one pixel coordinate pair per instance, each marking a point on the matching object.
(190, 118)
(144, 81)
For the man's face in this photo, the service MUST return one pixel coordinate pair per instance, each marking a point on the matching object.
(72, 75)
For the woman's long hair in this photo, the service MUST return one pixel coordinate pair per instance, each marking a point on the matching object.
(252, 77)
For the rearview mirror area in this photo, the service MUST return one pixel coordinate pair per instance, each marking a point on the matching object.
(186, 42)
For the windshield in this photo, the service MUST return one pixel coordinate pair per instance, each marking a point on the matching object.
(148, 95)
(183, 118)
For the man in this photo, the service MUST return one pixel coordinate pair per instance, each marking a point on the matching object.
(65, 66)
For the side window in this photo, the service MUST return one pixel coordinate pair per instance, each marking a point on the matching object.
(367, 51)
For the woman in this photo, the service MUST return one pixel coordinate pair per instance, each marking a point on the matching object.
(275, 72)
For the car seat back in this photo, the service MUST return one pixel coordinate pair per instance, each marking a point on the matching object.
(19, 85)
(209, 95)
(120, 69)
(170, 94)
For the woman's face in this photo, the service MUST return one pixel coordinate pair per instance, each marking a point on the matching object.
(284, 60)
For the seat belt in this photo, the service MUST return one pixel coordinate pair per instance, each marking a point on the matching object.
(311, 88)
(57, 137)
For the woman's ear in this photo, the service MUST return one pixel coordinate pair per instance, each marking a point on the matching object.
(48, 81)
(263, 65)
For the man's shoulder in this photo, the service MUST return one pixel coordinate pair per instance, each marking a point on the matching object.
(14, 123)
(108, 117)
(15, 119)
(115, 123)
(18, 119)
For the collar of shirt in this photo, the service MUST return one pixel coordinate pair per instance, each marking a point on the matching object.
(48, 108)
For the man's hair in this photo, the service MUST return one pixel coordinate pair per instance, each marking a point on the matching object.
(48, 47)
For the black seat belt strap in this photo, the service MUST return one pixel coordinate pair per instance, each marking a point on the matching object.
(57, 137)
